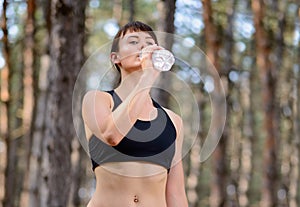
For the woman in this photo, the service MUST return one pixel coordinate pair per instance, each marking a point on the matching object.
(134, 143)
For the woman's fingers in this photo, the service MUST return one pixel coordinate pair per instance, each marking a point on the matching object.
(146, 52)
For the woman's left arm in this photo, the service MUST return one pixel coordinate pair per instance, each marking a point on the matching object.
(175, 189)
(175, 193)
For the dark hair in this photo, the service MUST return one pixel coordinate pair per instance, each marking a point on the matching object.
(134, 26)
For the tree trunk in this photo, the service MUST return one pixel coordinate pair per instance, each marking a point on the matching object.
(5, 190)
(38, 127)
(40, 85)
(4, 73)
(294, 186)
(28, 92)
(268, 80)
(131, 10)
(166, 12)
(66, 59)
(200, 188)
(246, 157)
(213, 41)
(233, 135)
(170, 6)
(194, 173)
(251, 132)
(279, 50)
(13, 175)
(118, 11)
(212, 38)
(78, 172)
(297, 127)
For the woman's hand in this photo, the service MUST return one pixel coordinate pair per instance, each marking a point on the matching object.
(149, 72)
(146, 56)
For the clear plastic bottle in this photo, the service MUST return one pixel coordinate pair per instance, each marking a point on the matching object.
(162, 60)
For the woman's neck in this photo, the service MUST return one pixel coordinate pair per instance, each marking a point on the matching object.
(128, 82)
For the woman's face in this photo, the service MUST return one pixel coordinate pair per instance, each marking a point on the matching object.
(130, 46)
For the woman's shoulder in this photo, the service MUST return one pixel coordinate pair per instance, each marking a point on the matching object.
(92, 94)
(176, 119)
(96, 96)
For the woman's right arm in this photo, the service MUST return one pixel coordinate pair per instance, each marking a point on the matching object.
(112, 126)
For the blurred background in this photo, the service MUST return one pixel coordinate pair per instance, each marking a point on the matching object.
(254, 46)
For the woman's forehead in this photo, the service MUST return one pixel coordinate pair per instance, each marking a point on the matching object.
(137, 34)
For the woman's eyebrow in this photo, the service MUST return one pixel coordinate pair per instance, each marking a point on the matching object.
(135, 36)
(132, 36)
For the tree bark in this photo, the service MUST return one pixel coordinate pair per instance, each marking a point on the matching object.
(231, 134)
(279, 50)
(66, 58)
(7, 190)
(194, 173)
(28, 92)
(118, 11)
(37, 133)
(213, 42)
(40, 67)
(170, 7)
(78, 172)
(294, 186)
(13, 175)
(251, 134)
(296, 127)
(268, 80)
(247, 145)
(131, 10)
(166, 12)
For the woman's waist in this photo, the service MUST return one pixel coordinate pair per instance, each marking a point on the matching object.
(124, 190)
(139, 199)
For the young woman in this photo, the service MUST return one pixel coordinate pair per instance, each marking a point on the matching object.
(134, 143)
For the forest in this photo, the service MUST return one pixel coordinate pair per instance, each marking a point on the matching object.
(236, 82)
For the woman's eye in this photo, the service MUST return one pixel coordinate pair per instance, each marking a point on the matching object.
(133, 42)
(150, 43)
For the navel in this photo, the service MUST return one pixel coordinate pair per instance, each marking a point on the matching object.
(136, 199)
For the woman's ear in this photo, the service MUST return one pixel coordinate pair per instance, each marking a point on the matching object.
(114, 57)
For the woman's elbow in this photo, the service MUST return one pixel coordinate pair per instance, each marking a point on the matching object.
(177, 201)
(112, 141)
(111, 138)
(176, 198)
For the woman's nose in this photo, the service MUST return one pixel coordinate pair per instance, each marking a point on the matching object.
(143, 45)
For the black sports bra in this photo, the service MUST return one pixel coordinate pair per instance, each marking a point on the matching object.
(150, 141)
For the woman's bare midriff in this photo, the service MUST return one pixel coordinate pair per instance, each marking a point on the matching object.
(129, 184)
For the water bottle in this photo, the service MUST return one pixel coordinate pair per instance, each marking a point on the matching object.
(163, 60)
